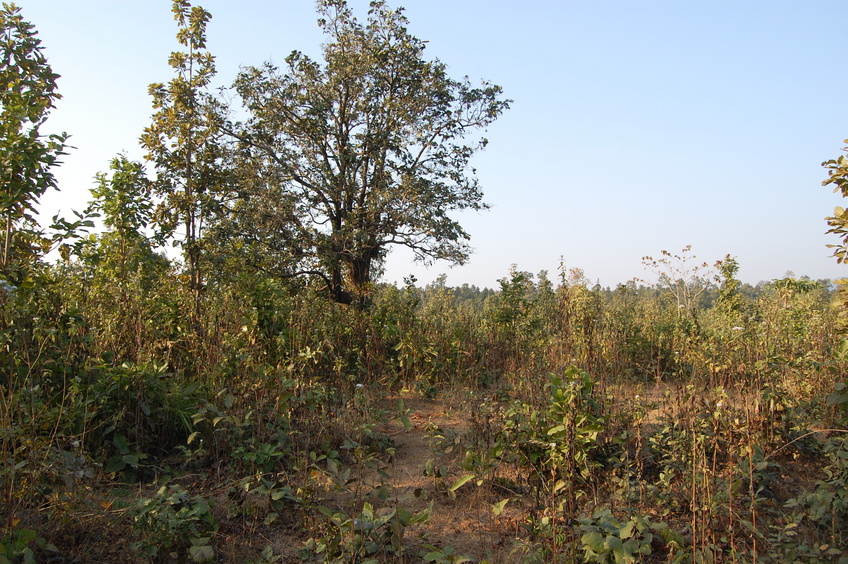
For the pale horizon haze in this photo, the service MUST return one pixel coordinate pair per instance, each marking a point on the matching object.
(636, 126)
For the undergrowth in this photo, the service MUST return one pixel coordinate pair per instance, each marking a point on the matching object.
(584, 425)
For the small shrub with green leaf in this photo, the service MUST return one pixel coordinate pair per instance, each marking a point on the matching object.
(16, 547)
(175, 521)
(364, 537)
(606, 540)
(140, 411)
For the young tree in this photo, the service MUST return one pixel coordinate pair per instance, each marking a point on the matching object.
(730, 300)
(366, 150)
(184, 144)
(118, 271)
(28, 93)
(124, 201)
(682, 277)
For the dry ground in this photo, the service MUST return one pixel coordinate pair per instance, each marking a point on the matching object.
(466, 523)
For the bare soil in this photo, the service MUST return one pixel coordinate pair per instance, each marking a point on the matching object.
(465, 522)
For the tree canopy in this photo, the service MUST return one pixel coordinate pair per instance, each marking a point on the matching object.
(370, 148)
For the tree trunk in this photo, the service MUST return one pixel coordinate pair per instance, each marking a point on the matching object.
(337, 291)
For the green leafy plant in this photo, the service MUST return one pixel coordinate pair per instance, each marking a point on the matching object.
(608, 540)
(443, 443)
(364, 536)
(575, 421)
(139, 412)
(16, 547)
(173, 519)
(444, 555)
(124, 457)
(28, 93)
(262, 457)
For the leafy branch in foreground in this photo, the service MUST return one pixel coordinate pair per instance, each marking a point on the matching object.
(837, 171)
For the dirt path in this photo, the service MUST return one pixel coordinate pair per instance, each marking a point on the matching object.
(465, 523)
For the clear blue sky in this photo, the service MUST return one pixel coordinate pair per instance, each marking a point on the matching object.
(637, 126)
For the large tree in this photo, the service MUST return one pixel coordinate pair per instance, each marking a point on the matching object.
(28, 93)
(370, 148)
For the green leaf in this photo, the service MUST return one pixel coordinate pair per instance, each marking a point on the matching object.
(613, 543)
(131, 459)
(594, 541)
(459, 483)
(418, 517)
(121, 443)
(497, 508)
(115, 464)
(279, 494)
(202, 554)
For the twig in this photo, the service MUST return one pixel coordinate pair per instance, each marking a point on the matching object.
(804, 436)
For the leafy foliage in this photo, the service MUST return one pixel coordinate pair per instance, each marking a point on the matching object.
(185, 144)
(175, 519)
(837, 172)
(268, 413)
(364, 151)
(28, 93)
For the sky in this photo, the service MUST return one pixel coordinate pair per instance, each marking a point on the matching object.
(636, 125)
